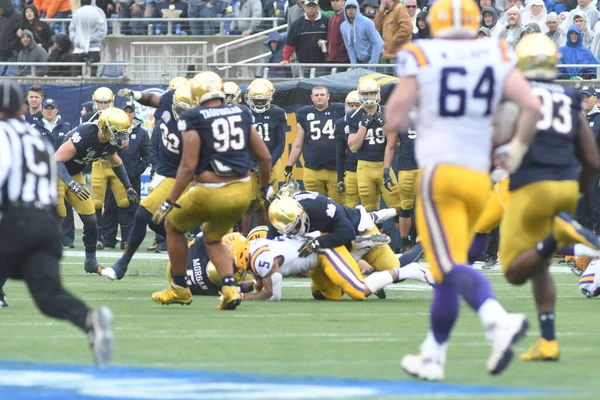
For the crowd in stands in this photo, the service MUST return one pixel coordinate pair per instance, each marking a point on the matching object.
(319, 31)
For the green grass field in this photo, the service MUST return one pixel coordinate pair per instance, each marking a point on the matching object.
(300, 336)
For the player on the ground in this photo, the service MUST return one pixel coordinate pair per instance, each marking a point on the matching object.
(217, 143)
(531, 230)
(102, 99)
(346, 160)
(233, 93)
(315, 140)
(458, 83)
(85, 144)
(30, 239)
(270, 122)
(170, 147)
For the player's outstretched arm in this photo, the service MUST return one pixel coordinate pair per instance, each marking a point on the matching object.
(144, 98)
(587, 153)
(272, 285)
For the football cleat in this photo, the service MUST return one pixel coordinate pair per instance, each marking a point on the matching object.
(173, 295)
(426, 369)
(230, 298)
(542, 350)
(503, 336)
(490, 262)
(116, 271)
(383, 215)
(381, 294)
(567, 230)
(152, 247)
(93, 267)
(368, 242)
(100, 335)
(419, 273)
(109, 273)
(3, 299)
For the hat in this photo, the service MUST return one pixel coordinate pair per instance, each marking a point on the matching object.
(536, 3)
(49, 102)
(129, 103)
(552, 16)
(486, 31)
(311, 2)
(589, 90)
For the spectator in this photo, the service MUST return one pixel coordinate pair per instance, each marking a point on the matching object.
(336, 49)
(423, 28)
(246, 9)
(273, 9)
(60, 53)
(555, 32)
(489, 4)
(557, 6)
(413, 10)
(512, 32)
(107, 6)
(304, 36)
(507, 6)
(294, 13)
(171, 9)
(53, 128)
(35, 97)
(42, 33)
(484, 33)
(489, 20)
(395, 25)
(587, 7)
(363, 42)
(575, 53)
(10, 20)
(53, 8)
(535, 12)
(275, 43)
(131, 9)
(87, 31)
(530, 28)
(580, 19)
(369, 8)
(203, 9)
(30, 53)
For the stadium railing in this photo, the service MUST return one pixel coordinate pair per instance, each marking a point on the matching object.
(152, 61)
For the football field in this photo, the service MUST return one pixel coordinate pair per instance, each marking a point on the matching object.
(295, 349)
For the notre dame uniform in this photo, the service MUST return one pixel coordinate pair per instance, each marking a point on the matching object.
(369, 170)
(549, 171)
(197, 276)
(164, 104)
(320, 148)
(407, 172)
(346, 162)
(271, 126)
(89, 149)
(224, 134)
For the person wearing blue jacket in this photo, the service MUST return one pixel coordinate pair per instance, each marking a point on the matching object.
(275, 43)
(363, 42)
(53, 128)
(574, 52)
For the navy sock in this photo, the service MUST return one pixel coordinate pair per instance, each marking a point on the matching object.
(228, 281)
(160, 229)
(179, 280)
(478, 246)
(412, 255)
(404, 241)
(138, 230)
(546, 247)
(444, 311)
(547, 325)
(472, 285)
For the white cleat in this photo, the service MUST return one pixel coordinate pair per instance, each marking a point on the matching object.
(101, 335)
(368, 242)
(426, 369)
(383, 215)
(109, 274)
(418, 272)
(503, 336)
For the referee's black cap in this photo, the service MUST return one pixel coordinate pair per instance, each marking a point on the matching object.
(11, 98)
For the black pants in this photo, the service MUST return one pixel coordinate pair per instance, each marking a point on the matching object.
(492, 249)
(91, 57)
(114, 216)
(30, 250)
(588, 209)
(68, 226)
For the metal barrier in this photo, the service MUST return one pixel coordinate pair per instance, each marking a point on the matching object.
(156, 61)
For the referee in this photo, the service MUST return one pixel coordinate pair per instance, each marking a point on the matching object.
(30, 240)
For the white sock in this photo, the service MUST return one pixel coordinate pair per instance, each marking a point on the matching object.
(407, 272)
(491, 311)
(430, 348)
(582, 250)
(378, 280)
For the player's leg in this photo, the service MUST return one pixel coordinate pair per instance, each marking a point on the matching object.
(99, 184)
(391, 197)
(488, 220)
(249, 214)
(341, 268)
(351, 194)
(406, 187)
(330, 179)
(118, 189)
(312, 182)
(322, 288)
(367, 186)
(3, 298)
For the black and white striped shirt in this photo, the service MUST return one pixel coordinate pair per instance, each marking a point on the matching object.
(27, 167)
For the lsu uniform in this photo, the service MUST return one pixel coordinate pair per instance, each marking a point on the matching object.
(346, 162)
(224, 133)
(89, 150)
(320, 148)
(589, 283)
(459, 90)
(546, 183)
(369, 170)
(407, 172)
(263, 252)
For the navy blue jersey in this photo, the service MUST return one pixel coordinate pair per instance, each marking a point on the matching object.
(90, 117)
(319, 135)
(406, 152)
(373, 147)
(33, 119)
(271, 127)
(89, 148)
(551, 155)
(346, 160)
(224, 134)
(196, 263)
(170, 145)
(164, 104)
(325, 215)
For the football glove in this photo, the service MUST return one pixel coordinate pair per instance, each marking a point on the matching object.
(287, 174)
(254, 170)
(132, 195)
(126, 93)
(387, 179)
(309, 247)
(510, 155)
(378, 118)
(81, 191)
(366, 120)
(161, 214)
(266, 195)
(341, 186)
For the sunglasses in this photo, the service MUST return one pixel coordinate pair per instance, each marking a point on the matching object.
(411, 6)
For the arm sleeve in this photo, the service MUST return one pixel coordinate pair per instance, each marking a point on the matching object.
(153, 148)
(280, 135)
(341, 231)
(121, 173)
(379, 20)
(99, 32)
(404, 34)
(63, 173)
(256, 12)
(349, 47)
(234, 24)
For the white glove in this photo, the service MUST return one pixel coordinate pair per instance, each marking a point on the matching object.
(498, 175)
(510, 156)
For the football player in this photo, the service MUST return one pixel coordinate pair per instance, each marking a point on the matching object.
(102, 99)
(168, 159)
(346, 160)
(217, 142)
(270, 122)
(407, 177)
(589, 283)
(85, 144)
(457, 82)
(532, 231)
(233, 93)
(315, 139)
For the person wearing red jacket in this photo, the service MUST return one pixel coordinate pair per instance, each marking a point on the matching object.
(336, 49)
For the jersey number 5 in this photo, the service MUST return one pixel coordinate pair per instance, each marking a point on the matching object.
(227, 134)
(453, 101)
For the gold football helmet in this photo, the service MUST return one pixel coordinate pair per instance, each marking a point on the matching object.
(233, 93)
(578, 264)
(206, 86)
(288, 217)
(538, 56)
(115, 126)
(454, 19)
(258, 232)
(352, 101)
(238, 250)
(103, 98)
(182, 100)
(369, 92)
(177, 82)
(289, 189)
(260, 95)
